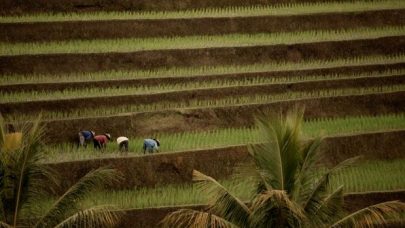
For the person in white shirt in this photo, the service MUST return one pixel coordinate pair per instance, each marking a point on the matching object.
(123, 143)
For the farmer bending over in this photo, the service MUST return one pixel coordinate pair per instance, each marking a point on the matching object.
(150, 145)
(123, 143)
(85, 136)
(100, 141)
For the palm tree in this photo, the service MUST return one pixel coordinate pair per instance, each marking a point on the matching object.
(25, 181)
(290, 188)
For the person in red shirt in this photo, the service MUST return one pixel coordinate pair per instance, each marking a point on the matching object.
(100, 141)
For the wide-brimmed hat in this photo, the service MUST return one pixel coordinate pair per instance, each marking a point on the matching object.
(108, 136)
(157, 141)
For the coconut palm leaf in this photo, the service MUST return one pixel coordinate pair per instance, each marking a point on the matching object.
(307, 171)
(68, 201)
(98, 216)
(329, 209)
(222, 202)
(320, 191)
(273, 208)
(278, 158)
(373, 215)
(185, 218)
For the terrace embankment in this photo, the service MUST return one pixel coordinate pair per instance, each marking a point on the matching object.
(152, 81)
(33, 6)
(169, 168)
(197, 94)
(179, 120)
(47, 31)
(150, 217)
(92, 62)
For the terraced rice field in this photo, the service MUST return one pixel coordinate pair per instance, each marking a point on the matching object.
(194, 74)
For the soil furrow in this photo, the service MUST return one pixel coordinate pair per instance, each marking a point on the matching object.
(12, 7)
(59, 86)
(172, 168)
(58, 63)
(198, 94)
(180, 120)
(48, 31)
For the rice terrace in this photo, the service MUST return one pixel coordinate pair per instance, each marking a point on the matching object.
(233, 113)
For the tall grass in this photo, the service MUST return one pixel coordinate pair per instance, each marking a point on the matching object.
(35, 95)
(246, 11)
(200, 103)
(367, 176)
(202, 70)
(187, 141)
(191, 42)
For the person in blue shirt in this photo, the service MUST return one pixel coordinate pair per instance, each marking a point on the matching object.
(150, 145)
(84, 137)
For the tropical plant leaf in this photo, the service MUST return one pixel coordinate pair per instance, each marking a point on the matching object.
(328, 210)
(278, 158)
(98, 216)
(68, 201)
(185, 218)
(273, 208)
(222, 202)
(373, 215)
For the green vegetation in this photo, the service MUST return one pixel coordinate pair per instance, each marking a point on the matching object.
(250, 11)
(202, 70)
(184, 86)
(366, 176)
(187, 141)
(24, 181)
(190, 42)
(290, 190)
(200, 103)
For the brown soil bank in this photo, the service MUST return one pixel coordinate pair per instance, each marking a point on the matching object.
(58, 63)
(59, 86)
(152, 123)
(171, 168)
(198, 94)
(31, 6)
(150, 217)
(46, 31)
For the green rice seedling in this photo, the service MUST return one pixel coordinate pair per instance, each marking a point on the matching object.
(203, 103)
(188, 141)
(364, 177)
(191, 42)
(245, 11)
(202, 71)
(161, 88)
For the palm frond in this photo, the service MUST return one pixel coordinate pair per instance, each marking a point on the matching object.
(307, 171)
(273, 208)
(373, 215)
(278, 158)
(185, 218)
(222, 202)
(328, 210)
(319, 192)
(98, 216)
(67, 202)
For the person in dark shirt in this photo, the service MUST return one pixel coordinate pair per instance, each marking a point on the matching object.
(84, 137)
(100, 141)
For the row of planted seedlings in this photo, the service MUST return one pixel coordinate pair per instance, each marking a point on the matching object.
(219, 138)
(306, 82)
(234, 11)
(197, 42)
